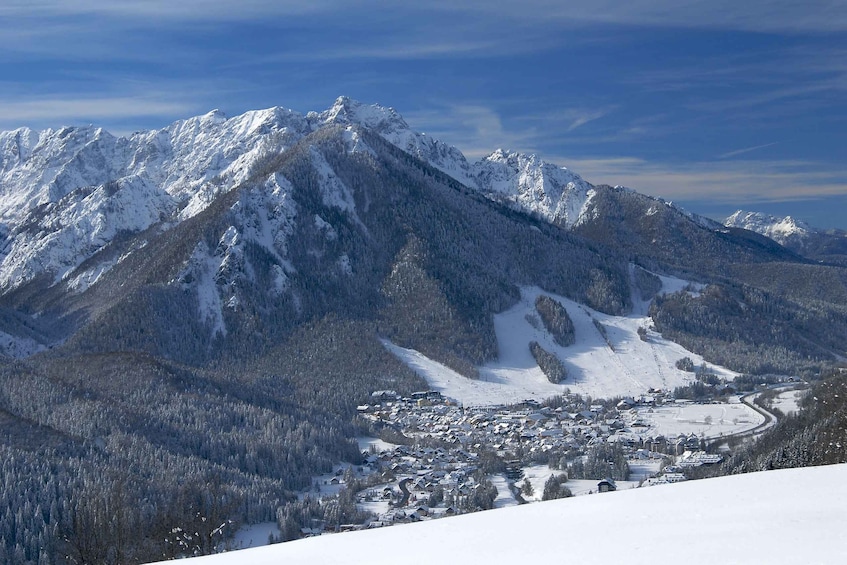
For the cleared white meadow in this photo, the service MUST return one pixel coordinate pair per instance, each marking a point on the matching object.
(787, 401)
(776, 517)
(706, 420)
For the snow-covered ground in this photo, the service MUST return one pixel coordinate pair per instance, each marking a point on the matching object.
(366, 443)
(706, 420)
(640, 470)
(505, 496)
(538, 475)
(625, 366)
(775, 517)
(787, 401)
(256, 535)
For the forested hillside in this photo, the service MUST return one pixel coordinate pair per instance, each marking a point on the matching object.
(816, 435)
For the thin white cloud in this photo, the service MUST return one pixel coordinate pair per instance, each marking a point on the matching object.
(780, 16)
(194, 10)
(476, 129)
(773, 16)
(65, 111)
(750, 15)
(716, 181)
(738, 152)
(580, 117)
(429, 29)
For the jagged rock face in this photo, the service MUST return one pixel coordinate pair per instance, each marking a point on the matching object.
(68, 193)
(552, 192)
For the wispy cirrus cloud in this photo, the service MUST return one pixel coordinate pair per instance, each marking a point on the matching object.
(476, 129)
(122, 107)
(752, 15)
(730, 182)
(738, 152)
(479, 129)
(815, 16)
(88, 108)
(197, 10)
(571, 119)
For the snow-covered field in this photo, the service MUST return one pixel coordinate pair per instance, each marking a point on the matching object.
(538, 475)
(787, 401)
(775, 517)
(366, 443)
(629, 367)
(706, 420)
(256, 535)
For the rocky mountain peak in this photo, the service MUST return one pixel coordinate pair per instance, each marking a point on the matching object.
(780, 229)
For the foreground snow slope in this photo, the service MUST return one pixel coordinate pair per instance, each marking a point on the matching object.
(788, 516)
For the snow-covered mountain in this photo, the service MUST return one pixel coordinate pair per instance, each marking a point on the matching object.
(232, 229)
(782, 230)
(66, 194)
(798, 236)
(553, 193)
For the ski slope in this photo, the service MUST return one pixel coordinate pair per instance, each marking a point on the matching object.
(776, 517)
(625, 365)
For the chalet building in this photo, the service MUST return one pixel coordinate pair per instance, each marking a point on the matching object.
(607, 485)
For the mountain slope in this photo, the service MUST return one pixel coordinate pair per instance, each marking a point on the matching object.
(365, 228)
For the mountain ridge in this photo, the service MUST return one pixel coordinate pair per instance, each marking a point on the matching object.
(77, 187)
(245, 227)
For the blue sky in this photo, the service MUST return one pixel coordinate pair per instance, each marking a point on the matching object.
(705, 103)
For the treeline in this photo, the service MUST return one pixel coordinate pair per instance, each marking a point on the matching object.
(602, 461)
(122, 458)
